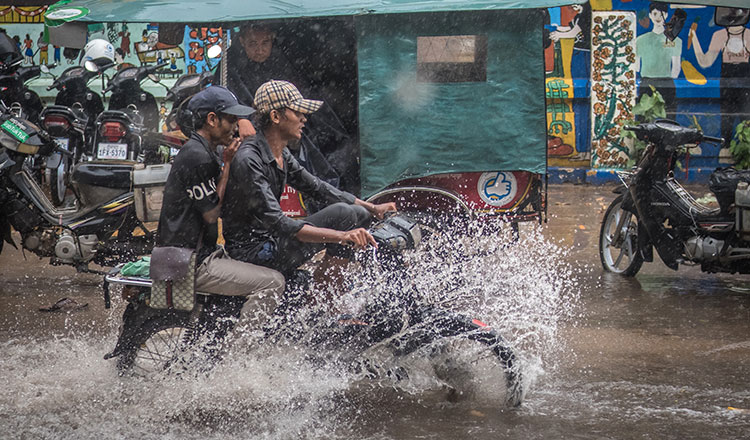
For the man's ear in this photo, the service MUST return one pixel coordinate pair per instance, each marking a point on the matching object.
(212, 119)
(275, 116)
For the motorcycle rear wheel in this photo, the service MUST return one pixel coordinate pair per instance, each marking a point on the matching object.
(620, 256)
(158, 345)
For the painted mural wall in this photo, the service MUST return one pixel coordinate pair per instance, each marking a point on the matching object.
(602, 56)
(135, 44)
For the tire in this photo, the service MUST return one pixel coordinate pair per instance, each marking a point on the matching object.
(621, 256)
(58, 182)
(468, 357)
(158, 345)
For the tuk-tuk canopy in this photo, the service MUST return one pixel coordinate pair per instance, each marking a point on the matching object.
(205, 11)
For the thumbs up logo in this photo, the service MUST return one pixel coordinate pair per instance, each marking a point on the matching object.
(497, 188)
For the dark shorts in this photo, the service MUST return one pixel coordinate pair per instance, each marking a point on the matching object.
(286, 254)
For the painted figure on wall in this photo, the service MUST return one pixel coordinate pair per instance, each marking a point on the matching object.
(197, 43)
(574, 40)
(658, 55)
(28, 53)
(43, 49)
(733, 43)
(124, 35)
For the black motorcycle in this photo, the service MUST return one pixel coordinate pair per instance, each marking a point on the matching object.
(99, 227)
(401, 321)
(70, 122)
(653, 210)
(186, 86)
(119, 131)
(21, 100)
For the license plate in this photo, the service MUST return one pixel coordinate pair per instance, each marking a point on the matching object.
(62, 142)
(112, 151)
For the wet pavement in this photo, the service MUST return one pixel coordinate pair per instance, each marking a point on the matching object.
(663, 355)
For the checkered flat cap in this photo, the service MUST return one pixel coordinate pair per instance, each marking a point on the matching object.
(276, 95)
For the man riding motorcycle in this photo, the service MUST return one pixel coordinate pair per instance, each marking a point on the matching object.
(255, 228)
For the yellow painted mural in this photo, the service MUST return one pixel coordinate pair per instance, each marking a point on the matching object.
(22, 14)
(561, 133)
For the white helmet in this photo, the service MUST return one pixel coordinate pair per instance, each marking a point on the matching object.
(99, 51)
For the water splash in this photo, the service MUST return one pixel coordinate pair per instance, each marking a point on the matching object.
(62, 388)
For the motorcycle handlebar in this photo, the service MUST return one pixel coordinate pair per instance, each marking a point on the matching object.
(718, 140)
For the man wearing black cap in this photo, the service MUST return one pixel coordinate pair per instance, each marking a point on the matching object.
(192, 201)
(255, 228)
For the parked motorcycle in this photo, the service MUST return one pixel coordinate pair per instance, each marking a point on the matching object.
(653, 210)
(70, 122)
(98, 228)
(401, 321)
(186, 86)
(22, 101)
(118, 132)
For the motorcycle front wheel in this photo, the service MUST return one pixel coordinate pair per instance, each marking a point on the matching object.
(618, 240)
(469, 358)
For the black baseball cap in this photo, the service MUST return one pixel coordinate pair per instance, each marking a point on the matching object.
(220, 100)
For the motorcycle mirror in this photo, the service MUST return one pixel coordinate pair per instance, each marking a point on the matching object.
(154, 78)
(214, 51)
(44, 68)
(91, 66)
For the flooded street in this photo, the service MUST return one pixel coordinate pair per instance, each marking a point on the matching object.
(662, 355)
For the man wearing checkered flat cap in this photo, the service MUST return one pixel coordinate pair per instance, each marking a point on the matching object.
(255, 228)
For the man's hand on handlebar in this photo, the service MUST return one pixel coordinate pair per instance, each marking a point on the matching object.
(358, 237)
(378, 211)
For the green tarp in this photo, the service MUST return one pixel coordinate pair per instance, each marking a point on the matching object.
(146, 11)
(411, 129)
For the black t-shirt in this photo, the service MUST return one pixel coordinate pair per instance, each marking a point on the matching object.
(190, 191)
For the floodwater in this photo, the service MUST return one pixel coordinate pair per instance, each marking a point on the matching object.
(662, 355)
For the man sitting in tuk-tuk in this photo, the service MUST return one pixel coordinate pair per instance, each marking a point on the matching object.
(325, 145)
(255, 227)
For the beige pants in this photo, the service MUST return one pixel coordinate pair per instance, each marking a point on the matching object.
(222, 275)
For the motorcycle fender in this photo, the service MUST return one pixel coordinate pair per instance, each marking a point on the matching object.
(5, 160)
(620, 189)
(628, 204)
(134, 317)
(5, 230)
(644, 244)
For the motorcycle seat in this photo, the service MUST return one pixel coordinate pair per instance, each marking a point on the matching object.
(103, 175)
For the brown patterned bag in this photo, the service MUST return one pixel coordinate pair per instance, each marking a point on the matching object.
(172, 278)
